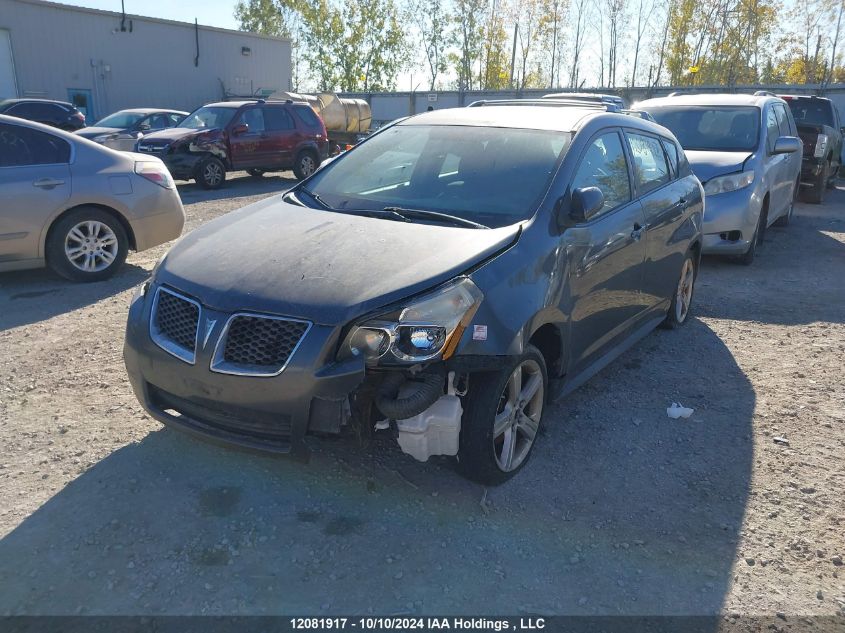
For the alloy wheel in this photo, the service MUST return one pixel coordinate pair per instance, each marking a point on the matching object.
(307, 165)
(212, 174)
(91, 246)
(683, 296)
(518, 415)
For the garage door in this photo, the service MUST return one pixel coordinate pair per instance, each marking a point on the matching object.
(7, 67)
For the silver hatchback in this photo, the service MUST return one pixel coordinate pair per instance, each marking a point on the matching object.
(745, 151)
(76, 206)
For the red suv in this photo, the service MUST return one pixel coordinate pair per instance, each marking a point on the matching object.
(256, 136)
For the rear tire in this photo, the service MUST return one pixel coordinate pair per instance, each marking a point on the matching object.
(681, 306)
(815, 195)
(511, 401)
(306, 163)
(211, 173)
(87, 244)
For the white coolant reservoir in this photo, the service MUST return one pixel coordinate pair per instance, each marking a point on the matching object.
(435, 431)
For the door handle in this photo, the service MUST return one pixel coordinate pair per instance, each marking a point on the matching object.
(638, 231)
(47, 183)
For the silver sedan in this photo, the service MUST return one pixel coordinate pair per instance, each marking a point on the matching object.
(78, 207)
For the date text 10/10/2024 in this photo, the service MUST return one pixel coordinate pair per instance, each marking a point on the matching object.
(417, 623)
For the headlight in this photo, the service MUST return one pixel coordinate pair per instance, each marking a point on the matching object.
(821, 146)
(731, 182)
(428, 328)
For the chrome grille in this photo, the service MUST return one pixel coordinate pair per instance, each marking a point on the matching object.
(257, 345)
(173, 324)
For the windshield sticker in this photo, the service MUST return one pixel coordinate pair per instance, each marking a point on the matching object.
(479, 332)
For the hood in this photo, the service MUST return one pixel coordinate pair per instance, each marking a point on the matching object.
(91, 132)
(326, 267)
(177, 133)
(707, 165)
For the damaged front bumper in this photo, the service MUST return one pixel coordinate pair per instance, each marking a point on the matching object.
(269, 413)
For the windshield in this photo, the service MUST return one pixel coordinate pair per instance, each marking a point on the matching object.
(811, 111)
(712, 128)
(215, 116)
(492, 176)
(120, 120)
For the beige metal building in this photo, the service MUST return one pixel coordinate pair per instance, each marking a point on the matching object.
(104, 61)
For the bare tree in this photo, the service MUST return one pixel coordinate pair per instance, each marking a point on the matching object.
(580, 10)
(644, 12)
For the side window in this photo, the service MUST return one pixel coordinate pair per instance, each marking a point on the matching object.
(308, 116)
(604, 166)
(649, 162)
(21, 146)
(278, 119)
(254, 118)
(783, 123)
(174, 119)
(772, 129)
(158, 121)
(672, 154)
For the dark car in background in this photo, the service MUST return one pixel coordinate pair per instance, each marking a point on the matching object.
(123, 129)
(257, 136)
(820, 130)
(445, 276)
(60, 114)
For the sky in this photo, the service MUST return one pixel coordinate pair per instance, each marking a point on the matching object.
(218, 13)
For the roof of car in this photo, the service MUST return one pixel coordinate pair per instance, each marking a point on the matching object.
(149, 111)
(706, 99)
(33, 100)
(530, 117)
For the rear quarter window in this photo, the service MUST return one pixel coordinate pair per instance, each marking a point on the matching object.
(307, 116)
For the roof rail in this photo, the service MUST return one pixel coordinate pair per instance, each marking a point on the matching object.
(640, 114)
(764, 93)
(679, 93)
(571, 103)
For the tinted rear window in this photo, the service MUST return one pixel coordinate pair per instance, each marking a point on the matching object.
(811, 111)
(20, 146)
(308, 116)
(712, 128)
(277, 118)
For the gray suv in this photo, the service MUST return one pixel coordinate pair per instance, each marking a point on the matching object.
(745, 151)
(443, 279)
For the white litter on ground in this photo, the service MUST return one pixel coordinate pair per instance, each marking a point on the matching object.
(678, 411)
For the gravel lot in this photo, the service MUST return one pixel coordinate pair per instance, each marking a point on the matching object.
(621, 510)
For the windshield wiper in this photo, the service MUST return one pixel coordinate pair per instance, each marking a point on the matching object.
(424, 214)
(316, 198)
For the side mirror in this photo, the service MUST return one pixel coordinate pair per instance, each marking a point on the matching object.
(585, 203)
(787, 145)
(240, 128)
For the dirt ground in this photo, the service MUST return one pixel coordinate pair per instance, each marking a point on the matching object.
(738, 509)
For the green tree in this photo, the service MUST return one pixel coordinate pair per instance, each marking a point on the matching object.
(431, 19)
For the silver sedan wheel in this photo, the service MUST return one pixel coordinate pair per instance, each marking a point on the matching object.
(91, 246)
(518, 415)
(212, 174)
(683, 296)
(307, 165)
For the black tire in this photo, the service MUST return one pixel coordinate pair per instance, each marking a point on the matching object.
(785, 220)
(211, 173)
(831, 181)
(815, 194)
(306, 163)
(477, 453)
(61, 242)
(683, 295)
(256, 173)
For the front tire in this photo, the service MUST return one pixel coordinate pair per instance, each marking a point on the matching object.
(305, 164)
(502, 419)
(785, 219)
(211, 173)
(681, 305)
(87, 244)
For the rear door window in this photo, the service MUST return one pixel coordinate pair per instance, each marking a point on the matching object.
(783, 121)
(603, 165)
(22, 146)
(650, 165)
(278, 119)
